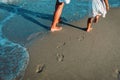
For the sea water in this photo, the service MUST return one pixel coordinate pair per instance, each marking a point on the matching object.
(14, 57)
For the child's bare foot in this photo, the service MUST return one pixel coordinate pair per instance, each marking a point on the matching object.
(56, 29)
(89, 29)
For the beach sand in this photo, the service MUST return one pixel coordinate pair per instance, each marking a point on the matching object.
(71, 54)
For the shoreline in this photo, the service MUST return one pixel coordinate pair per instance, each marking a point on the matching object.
(74, 54)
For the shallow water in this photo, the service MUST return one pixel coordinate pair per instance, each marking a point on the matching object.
(14, 57)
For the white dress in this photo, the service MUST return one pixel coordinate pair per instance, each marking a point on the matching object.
(65, 1)
(97, 7)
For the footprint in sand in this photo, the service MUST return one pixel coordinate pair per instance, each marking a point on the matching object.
(116, 74)
(61, 44)
(40, 68)
(81, 38)
(60, 57)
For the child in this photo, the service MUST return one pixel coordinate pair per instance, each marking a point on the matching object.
(97, 8)
(58, 10)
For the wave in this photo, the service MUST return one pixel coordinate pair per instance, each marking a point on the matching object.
(14, 58)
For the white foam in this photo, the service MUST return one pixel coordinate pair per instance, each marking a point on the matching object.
(9, 1)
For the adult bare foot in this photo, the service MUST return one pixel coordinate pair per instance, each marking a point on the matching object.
(89, 29)
(56, 29)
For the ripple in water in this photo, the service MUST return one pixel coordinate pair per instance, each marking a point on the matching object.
(13, 57)
(13, 61)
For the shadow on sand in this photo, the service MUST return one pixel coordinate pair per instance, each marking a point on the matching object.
(26, 14)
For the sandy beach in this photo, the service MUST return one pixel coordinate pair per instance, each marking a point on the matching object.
(71, 54)
(74, 54)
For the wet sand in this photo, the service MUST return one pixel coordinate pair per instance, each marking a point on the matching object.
(74, 54)
(71, 54)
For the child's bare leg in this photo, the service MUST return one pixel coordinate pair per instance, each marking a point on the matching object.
(57, 14)
(96, 18)
(89, 24)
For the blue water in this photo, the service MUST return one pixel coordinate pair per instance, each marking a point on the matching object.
(14, 58)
